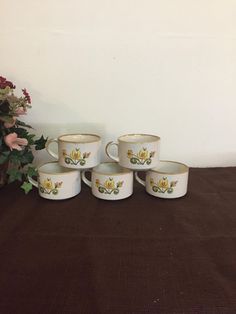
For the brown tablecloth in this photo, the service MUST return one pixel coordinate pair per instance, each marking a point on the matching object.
(139, 255)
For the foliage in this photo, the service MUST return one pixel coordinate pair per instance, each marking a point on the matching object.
(16, 139)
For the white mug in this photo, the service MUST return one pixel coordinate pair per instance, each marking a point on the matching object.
(136, 151)
(168, 180)
(78, 151)
(57, 183)
(109, 181)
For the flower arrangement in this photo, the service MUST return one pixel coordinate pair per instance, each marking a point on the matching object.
(16, 142)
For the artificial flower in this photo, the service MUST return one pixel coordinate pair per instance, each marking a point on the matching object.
(15, 142)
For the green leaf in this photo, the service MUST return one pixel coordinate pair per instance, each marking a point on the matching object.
(26, 186)
(20, 123)
(31, 172)
(15, 157)
(30, 139)
(22, 133)
(4, 157)
(14, 174)
(27, 158)
(40, 143)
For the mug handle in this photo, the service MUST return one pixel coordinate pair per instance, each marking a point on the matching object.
(86, 181)
(142, 182)
(33, 182)
(109, 154)
(49, 150)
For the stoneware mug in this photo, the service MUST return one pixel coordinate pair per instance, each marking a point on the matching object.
(136, 151)
(56, 182)
(78, 151)
(168, 180)
(109, 181)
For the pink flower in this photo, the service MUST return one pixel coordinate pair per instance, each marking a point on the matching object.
(20, 111)
(14, 142)
(4, 83)
(10, 124)
(27, 96)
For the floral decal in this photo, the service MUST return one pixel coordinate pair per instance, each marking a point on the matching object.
(163, 185)
(49, 187)
(109, 186)
(75, 157)
(141, 158)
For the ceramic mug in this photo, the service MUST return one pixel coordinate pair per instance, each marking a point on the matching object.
(77, 151)
(109, 181)
(136, 151)
(56, 182)
(168, 180)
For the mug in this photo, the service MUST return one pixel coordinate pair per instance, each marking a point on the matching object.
(56, 182)
(109, 181)
(136, 151)
(168, 180)
(77, 150)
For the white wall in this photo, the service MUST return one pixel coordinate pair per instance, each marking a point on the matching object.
(166, 67)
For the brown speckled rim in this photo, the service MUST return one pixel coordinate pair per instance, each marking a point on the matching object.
(79, 142)
(55, 173)
(126, 171)
(185, 170)
(155, 138)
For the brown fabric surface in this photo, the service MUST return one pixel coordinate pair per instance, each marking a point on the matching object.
(139, 255)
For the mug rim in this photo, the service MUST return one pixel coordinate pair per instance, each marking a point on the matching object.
(186, 170)
(55, 173)
(126, 170)
(157, 138)
(72, 134)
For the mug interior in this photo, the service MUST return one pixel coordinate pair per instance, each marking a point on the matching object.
(110, 168)
(170, 167)
(138, 138)
(79, 138)
(53, 168)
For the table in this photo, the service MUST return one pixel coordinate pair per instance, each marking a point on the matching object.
(139, 255)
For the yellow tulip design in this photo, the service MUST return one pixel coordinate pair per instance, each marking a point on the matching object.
(143, 154)
(75, 154)
(75, 157)
(47, 184)
(47, 187)
(142, 157)
(109, 184)
(163, 183)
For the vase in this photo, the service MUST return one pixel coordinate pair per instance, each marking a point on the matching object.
(3, 174)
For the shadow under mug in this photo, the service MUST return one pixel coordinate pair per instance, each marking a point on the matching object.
(78, 151)
(168, 180)
(56, 182)
(136, 151)
(109, 181)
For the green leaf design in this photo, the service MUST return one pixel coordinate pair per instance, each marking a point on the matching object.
(40, 143)
(26, 186)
